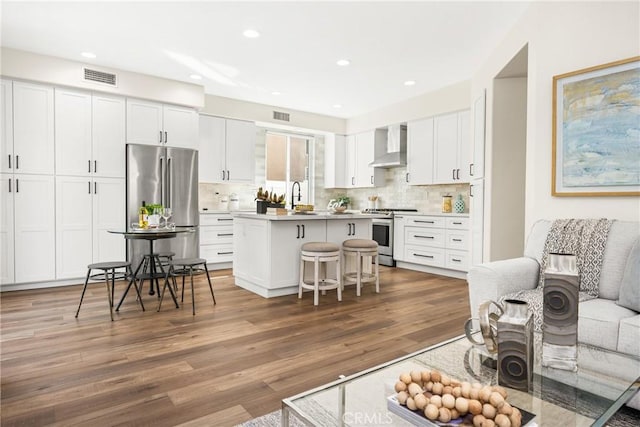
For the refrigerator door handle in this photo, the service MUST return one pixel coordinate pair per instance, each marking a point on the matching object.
(169, 182)
(162, 181)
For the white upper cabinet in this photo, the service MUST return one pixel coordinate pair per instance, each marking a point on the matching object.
(108, 136)
(361, 150)
(226, 150)
(151, 123)
(335, 168)
(420, 152)
(90, 134)
(6, 126)
(240, 151)
(33, 124)
(451, 148)
(73, 132)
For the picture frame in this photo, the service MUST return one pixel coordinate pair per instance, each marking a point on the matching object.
(596, 131)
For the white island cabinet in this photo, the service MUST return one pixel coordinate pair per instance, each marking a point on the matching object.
(266, 248)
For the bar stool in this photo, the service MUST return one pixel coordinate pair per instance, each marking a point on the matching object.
(320, 252)
(109, 271)
(361, 249)
(186, 267)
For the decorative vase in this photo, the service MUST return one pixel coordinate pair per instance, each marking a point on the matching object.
(458, 205)
(446, 204)
(515, 345)
(560, 313)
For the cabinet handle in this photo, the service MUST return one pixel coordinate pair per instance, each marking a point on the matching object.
(95, 187)
(352, 180)
(95, 166)
(372, 179)
(224, 234)
(471, 169)
(453, 174)
(89, 183)
(223, 175)
(17, 185)
(354, 228)
(423, 256)
(89, 161)
(303, 231)
(17, 164)
(228, 176)
(471, 190)
(225, 219)
(407, 177)
(398, 216)
(423, 237)
(166, 138)
(456, 260)
(456, 223)
(298, 226)
(160, 137)
(9, 160)
(225, 253)
(457, 240)
(349, 232)
(9, 185)
(425, 222)
(457, 173)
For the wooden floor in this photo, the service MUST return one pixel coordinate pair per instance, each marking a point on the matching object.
(223, 366)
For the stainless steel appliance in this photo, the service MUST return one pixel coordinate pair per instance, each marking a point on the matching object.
(167, 176)
(383, 233)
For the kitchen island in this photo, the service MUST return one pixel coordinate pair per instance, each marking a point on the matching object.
(266, 248)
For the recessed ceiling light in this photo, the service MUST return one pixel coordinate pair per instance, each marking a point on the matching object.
(88, 55)
(337, 106)
(275, 92)
(343, 62)
(252, 34)
(195, 77)
(409, 82)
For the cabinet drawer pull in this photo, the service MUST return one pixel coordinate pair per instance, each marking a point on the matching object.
(423, 237)
(95, 187)
(17, 163)
(9, 185)
(95, 166)
(456, 223)
(298, 227)
(407, 177)
(302, 230)
(224, 234)
(9, 161)
(89, 182)
(457, 240)
(225, 253)
(456, 260)
(424, 256)
(17, 185)
(424, 222)
(225, 219)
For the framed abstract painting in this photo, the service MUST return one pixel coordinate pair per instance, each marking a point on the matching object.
(596, 131)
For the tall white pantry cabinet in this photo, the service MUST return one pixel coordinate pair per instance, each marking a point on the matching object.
(27, 229)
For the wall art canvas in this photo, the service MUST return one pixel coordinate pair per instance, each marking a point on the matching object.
(596, 131)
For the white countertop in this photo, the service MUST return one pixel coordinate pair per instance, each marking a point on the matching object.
(316, 215)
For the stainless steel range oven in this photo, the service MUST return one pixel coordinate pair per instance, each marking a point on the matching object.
(383, 233)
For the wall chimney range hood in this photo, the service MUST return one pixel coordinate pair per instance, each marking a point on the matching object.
(396, 155)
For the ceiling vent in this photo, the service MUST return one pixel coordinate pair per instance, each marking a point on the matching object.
(100, 77)
(278, 115)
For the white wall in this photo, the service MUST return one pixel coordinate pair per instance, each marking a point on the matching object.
(450, 98)
(245, 110)
(18, 64)
(561, 37)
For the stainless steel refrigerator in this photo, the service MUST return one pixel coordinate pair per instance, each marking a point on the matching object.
(166, 176)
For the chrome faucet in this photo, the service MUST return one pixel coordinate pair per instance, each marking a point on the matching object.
(292, 187)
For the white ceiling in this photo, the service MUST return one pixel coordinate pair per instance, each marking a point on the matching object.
(433, 43)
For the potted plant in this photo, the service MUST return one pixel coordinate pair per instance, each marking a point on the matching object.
(155, 212)
(339, 204)
(343, 201)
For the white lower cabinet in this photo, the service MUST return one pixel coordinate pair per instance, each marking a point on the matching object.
(27, 229)
(434, 241)
(85, 210)
(287, 237)
(216, 238)
(339, 230)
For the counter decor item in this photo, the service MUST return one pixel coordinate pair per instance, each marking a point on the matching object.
(458, 205)
(560, 312)
(488, 318)
(515, 345)
(446, 204)
(265, 200)
(373, 202)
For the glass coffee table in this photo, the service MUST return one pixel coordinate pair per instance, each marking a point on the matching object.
(604, 382)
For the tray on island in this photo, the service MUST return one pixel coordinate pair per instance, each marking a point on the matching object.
(417, 419)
